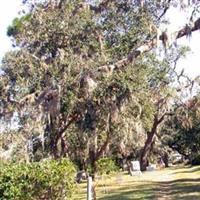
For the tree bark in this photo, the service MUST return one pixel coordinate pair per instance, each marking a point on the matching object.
(95, 155)
(93, 161)
(64, 147)
(146, 151)
(165, 158)
(50, 133)
(148, 144)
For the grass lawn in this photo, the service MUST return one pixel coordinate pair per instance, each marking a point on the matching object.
(168, 184)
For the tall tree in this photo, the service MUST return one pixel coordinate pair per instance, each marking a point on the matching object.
(78, 63)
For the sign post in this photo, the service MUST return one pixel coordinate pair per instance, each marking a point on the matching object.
(89, 188)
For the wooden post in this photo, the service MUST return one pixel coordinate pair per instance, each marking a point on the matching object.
(89, 188)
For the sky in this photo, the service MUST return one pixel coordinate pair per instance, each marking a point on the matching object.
(178, 20)
(9, 10)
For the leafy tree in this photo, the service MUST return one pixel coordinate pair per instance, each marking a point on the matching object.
(182, 130)
(81, 66)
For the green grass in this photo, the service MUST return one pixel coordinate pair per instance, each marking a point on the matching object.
(169, 184)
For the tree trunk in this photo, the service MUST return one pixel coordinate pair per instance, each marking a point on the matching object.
(64, 147)
(95, 154)
(146, 151)
(93, 162)
(166, 159)
(54, 146)
(148, 144)
(53, 137)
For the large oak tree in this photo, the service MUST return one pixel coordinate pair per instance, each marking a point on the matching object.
(81, 65)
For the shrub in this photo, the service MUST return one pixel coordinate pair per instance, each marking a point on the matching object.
(45, 180)
(196, 160)
(106, 166)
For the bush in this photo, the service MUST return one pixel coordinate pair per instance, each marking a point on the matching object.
(196, 160)
(45, 180)
(106, 166)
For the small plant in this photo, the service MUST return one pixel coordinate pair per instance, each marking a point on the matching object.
(106, 166)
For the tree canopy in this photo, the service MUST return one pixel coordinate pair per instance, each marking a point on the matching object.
(85, 75)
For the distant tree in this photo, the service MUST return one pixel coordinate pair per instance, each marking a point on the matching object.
(182, 131)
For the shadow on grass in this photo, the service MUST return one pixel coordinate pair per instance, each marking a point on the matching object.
(189, 169)
(137, 193)
(184, 189)
(187, 187)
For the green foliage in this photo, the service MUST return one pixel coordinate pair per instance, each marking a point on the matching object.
(17, 25)
(106, 165)
(196, 160)
(35, 181)
(183, 130)
(57, 74)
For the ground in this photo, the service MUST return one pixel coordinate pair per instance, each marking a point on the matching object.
(167, 184)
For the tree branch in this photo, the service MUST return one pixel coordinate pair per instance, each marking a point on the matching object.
(184, 31)
(103, 147)
(68, 121)
(165, 10)
(101, 7)
(119, 65)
